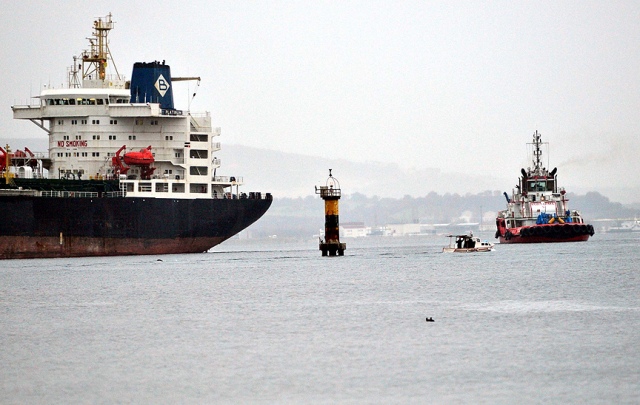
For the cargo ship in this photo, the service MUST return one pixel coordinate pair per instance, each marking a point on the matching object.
(538, 210)
(126, 173)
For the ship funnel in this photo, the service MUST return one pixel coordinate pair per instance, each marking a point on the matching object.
(151, 83)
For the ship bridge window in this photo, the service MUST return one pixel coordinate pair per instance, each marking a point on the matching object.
(198, 170)
(198, 188)
(144, 187)
(198, 154)
(177, 188)
(162, 187)
(199, 137)
(537, 186)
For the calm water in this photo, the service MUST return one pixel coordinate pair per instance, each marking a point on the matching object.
(274, 322)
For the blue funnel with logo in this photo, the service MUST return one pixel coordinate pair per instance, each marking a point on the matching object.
(151, 83)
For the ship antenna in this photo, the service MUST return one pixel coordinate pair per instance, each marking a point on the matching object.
(537, 152)
(73, 80)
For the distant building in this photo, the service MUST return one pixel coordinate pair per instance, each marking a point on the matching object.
(354, 230)
(404, 229)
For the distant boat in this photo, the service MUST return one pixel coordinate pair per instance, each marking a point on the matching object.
(627, 226)
(466, 244)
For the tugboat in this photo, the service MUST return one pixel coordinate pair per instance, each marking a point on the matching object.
(466, 244)
(537, 211)
(126, 173)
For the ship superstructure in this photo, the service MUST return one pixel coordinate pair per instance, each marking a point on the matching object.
(538, 210)
(112, 139)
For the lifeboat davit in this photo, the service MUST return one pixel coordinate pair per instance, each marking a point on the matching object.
(142, 158)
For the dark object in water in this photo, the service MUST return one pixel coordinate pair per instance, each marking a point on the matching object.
(430, 320)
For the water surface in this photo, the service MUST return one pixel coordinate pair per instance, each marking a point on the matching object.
(274, 322)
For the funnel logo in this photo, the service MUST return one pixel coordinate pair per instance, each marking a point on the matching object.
(162, 85)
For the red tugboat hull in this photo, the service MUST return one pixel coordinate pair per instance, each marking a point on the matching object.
(543, 239)
(546, 233)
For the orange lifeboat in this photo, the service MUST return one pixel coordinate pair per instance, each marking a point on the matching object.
(142, 158)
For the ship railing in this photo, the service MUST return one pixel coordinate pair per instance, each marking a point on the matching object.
(242, 196)
(70, 194)
(227, 179)
(200, 121)
(82, 194)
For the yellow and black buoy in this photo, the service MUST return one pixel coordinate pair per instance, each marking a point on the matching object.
(330, 193)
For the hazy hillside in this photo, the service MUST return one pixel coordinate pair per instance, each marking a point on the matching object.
(303, 217)
(287, 175)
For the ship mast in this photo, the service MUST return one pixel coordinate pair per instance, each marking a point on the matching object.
(94, 60)
(537, 154)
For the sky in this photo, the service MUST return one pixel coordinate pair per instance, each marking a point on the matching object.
(457, 86)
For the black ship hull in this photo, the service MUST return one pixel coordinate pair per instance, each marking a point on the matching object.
(39, 227)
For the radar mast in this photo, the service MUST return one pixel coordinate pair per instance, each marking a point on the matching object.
(94, 60)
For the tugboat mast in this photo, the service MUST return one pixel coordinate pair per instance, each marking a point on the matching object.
(537, 153)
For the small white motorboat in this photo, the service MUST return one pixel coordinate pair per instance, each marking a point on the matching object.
(466, 244)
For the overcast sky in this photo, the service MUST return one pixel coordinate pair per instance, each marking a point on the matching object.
(454, 85)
